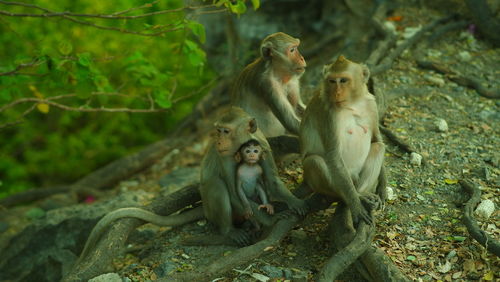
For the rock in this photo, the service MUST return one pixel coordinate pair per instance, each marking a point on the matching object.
(485, 209)
(165, 269)
(391, 196)
(41, 251)
(442, 125)
(415, 159)
(435, 80)
(108, 277)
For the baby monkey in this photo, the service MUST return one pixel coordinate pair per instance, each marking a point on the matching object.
(249, 178)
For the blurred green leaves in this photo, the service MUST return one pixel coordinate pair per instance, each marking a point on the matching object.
(83, 67)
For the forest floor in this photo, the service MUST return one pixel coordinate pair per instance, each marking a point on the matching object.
(420, 228)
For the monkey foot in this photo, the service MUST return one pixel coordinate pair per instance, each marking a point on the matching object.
(241, 237)
(371, 201)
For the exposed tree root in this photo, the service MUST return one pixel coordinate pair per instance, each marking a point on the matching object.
(461, 79)
(100, 258)
(355, 248)
(442, 30)
(396, 140)
(470, 222)
(389, 60)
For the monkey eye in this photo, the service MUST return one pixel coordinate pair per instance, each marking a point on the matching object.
(292, 49)
(332, 81)
(255, 151)
(343, 80)
(223, 130)
(247, 151)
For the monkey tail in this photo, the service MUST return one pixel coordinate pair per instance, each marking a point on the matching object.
(150, 217)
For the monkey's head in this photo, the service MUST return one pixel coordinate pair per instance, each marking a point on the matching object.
(282, 51)
(234, 128)
(344, 80)
(250, 152)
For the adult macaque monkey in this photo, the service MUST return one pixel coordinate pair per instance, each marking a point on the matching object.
(220, 200)
(342, 148)
(268, 89)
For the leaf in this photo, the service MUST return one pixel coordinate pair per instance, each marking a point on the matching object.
(450, 181)
(411, 258)
(161, 98)
(65, 47)
(84, 59)
(239, 8)
(444, 268)
(488, 276)
(43, 108)
(198, 30)
(256, 4)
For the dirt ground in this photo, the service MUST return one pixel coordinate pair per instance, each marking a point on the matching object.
(420, 228)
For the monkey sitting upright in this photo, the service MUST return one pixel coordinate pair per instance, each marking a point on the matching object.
(249, 178)
(268, 89)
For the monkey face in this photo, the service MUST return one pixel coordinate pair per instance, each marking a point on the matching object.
(339, 87)
(297, 61)
(223, 140)
(251, 153)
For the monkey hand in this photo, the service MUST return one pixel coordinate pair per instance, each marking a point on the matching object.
(268, 207)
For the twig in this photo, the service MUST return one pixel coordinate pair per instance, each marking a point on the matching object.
(115, 16)
(479, 235)
(389, 60)
(19, 67)
(460, 79)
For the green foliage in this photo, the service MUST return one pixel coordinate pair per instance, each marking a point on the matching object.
(96, 69)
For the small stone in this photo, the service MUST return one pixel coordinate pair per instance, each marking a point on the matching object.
(415, 159)
(108, 277)
(485, 209)
(391, 196)
(435, 80)
(442, 125)
(464, 56)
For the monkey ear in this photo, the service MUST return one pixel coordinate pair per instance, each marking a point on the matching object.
(325, 69)
(366, 73)
(237, 157)
(266, 50)
(252, 125)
